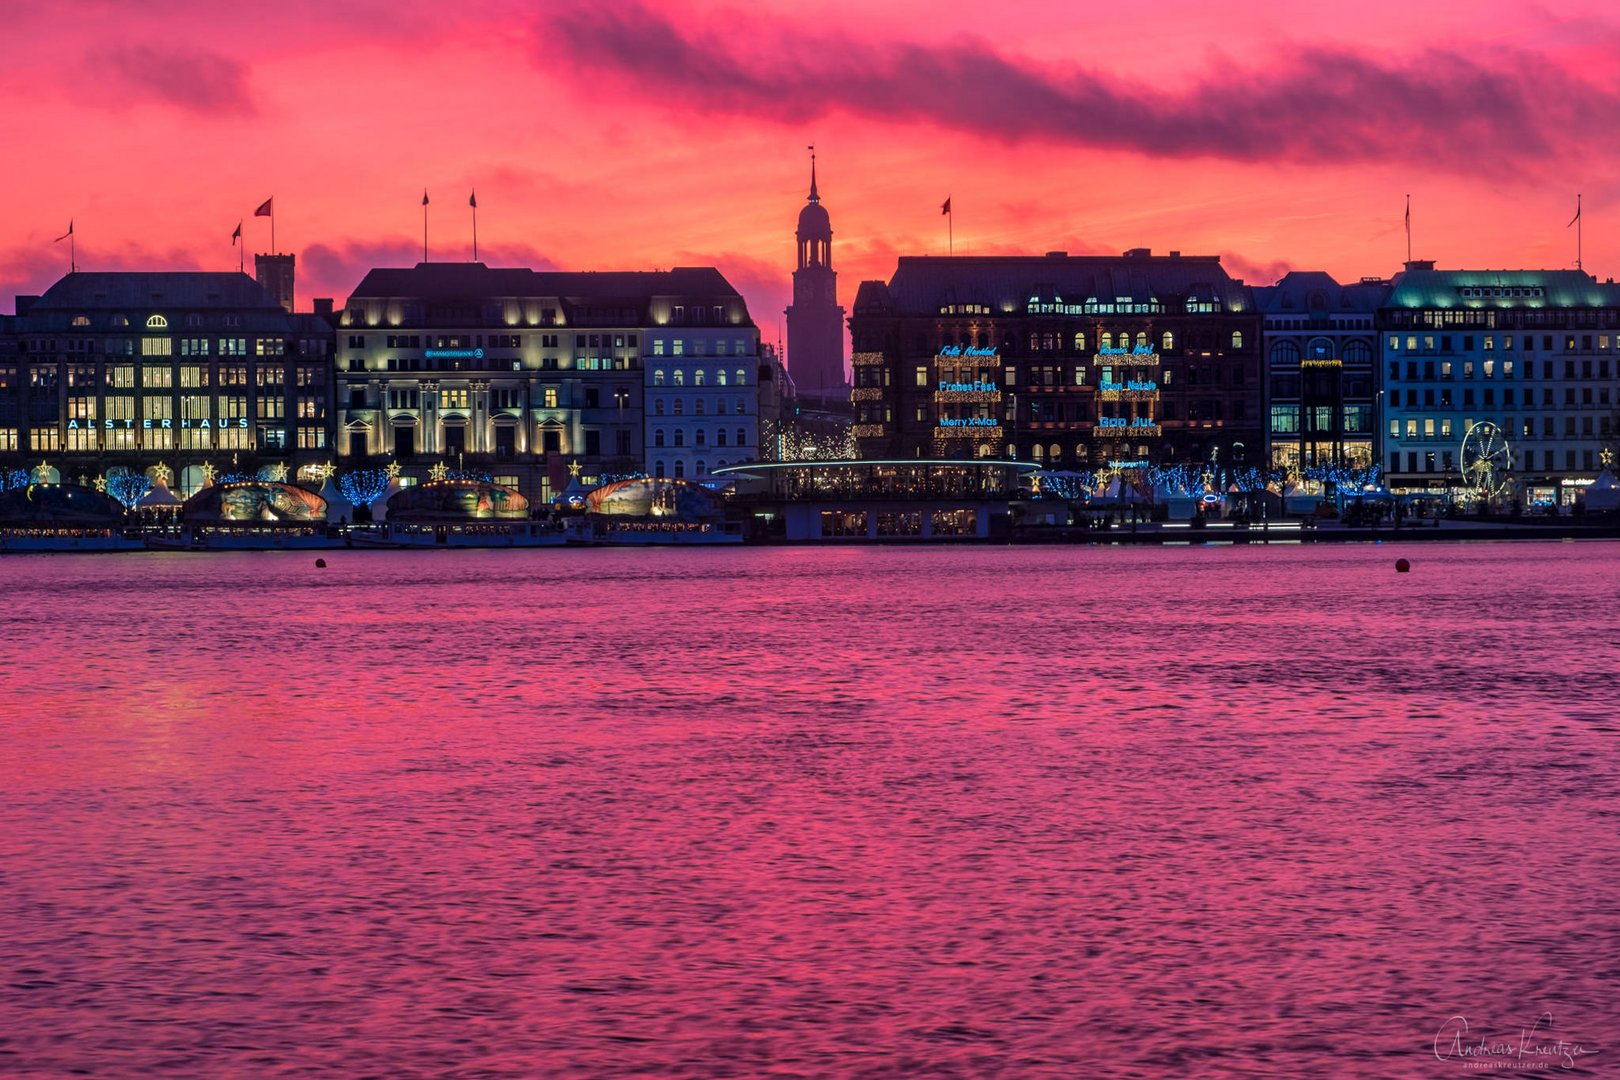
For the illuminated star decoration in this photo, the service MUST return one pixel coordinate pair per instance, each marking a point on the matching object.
(573, 468)
(42, 473)
(162, 473)
(392, 470)
(278, 472)
(209, 472)
(438, 472)
(324, 472)
(101, 484)
(1607, 457)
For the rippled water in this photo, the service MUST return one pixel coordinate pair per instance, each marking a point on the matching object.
(981, 812)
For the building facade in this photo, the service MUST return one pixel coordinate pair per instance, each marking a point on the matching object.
(204, 373)
(815, 322)
(1071, 363)
(1534, 353)
(540, 378)
(1321, 345)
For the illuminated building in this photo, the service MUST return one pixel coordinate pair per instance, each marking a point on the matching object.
(1321, 377)
(536, 378)
(1064, 362)
(113, 372)
(815, 322)
(1534, 352)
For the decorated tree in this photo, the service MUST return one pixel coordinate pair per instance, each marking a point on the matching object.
(128, 488)
(362, 487)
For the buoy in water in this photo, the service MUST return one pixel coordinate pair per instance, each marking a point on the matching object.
(320, 564)
(1402, 566)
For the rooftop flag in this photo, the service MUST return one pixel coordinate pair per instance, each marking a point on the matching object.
(265, 209)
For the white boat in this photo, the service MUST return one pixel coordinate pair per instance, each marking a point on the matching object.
(460, 534)
(66, 539)
(243, 536)
(601, 531)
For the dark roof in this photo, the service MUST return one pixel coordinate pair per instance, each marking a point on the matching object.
(475, 281)
(1304, 291)
(135, 290)
(921, 284)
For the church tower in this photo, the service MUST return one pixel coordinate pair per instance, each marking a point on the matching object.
(815, 322)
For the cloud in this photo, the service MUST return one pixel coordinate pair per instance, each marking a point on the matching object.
(30, 270)
(1315, 105)
(334, 268)
(195, 80)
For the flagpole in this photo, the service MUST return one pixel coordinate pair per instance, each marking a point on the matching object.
(73, 251)
(424, 224)
(1579, 225)
(1408, 227)
(273, 228)
(474, 202)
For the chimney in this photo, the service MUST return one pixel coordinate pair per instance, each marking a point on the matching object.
(275, 273)
(323, 305)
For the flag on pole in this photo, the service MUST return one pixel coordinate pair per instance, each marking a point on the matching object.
(945, 207)
(237, 235)
(265, 209)
(65, 235)
(1577, 216)
(473, 200)
(424, 196)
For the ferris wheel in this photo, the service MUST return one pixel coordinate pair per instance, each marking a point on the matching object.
(1487, 460)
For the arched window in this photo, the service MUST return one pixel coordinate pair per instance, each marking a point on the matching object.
(1285, 352)
(741, 406)
(658, 437)
(720, 377)
(658, 406)
(1034, 342)
(1141, 338)
(1237, 339)
(1080, 343)
(658, 470)
(720, 437)
(658, 377)
(680, 406)
(742, 437)
(680, 436)
(1168, 341)
(1357, 352)
(1055, 452)
(81, 320)
(1012, 452)
(680, 377)
(680, 469)
(985, 449)
(701, 439)
(700, 468)
(156, 322)
(1319, 348)
(697, 377)
(742, 377)
(698, 407)
(1107, 340)
(1037, 452)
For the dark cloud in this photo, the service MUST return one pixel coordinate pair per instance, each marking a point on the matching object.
(192, 79)
(1441, 108)
(30, 270)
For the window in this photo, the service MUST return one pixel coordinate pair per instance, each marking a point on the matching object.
(1237, 339)
(550, 397)
(922, 375)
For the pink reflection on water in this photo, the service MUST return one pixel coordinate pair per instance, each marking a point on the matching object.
(983, 811)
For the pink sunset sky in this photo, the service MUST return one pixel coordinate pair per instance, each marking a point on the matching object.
(634, 136)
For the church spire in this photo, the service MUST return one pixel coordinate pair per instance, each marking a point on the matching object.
(813, 196)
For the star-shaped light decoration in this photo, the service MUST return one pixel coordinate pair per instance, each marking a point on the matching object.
(162, 473)
(325, 472)
(278, 472)
(42, 473)
(574, 468)
(392, 470)
(101, 484)
(1607, 457)
(438, 473)
(209, 472)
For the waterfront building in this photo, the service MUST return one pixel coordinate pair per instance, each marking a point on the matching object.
(1066, 362)
(1321, 373)
(1536, 353)
(537, 379)
(815, 321)
(203, 372)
